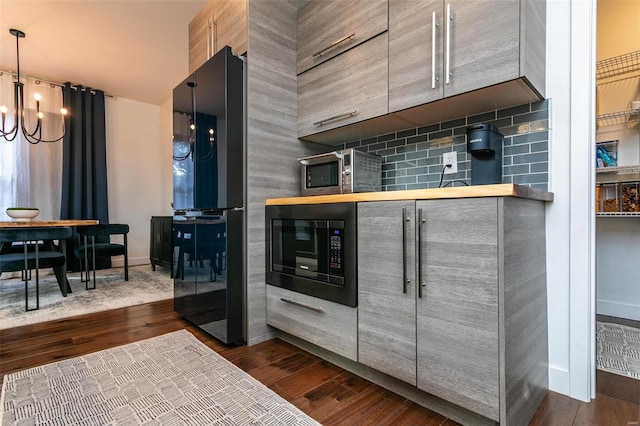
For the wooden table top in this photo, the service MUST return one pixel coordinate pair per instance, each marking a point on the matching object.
(48, 223)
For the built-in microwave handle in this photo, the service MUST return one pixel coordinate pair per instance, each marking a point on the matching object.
(304, 161)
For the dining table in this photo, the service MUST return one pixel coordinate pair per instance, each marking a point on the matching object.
(62, 281)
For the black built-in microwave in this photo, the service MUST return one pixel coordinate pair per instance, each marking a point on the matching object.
(311, 249)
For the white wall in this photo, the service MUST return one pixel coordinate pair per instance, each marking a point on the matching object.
(138, 166)
(570, 218)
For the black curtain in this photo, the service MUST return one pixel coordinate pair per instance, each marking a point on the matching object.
(84, 162)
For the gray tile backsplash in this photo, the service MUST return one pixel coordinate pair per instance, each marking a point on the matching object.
(412, 158)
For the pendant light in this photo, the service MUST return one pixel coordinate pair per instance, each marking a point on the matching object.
(33, 135)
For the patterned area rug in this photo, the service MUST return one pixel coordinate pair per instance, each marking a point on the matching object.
(112, 291)
(618, 349)
(172, 379)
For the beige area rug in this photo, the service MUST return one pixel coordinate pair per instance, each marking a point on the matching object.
(618, 349)
(173, 379)
(112, 291)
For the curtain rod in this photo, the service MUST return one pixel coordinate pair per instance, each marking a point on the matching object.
(53, 83)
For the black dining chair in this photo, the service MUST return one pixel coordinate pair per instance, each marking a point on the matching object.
(38, 252)
(95, 242)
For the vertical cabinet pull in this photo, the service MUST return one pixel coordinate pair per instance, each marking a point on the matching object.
(433, 50)
(448, 46)
(208, 37)
(405, 280)
(421, 283)
(212, 37)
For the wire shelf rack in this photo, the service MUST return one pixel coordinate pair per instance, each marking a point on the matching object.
(620, 117)
(621, 170)
(618, 214)
(618, 65)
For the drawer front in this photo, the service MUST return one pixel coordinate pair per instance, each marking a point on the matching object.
(328, 28)
(326, 324)
(352, 87)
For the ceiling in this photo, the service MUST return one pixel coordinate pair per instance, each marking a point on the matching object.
(136, 49)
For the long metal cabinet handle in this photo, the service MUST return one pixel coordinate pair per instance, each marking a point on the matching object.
(405, 219)
(433, 50)
(214, 36)
(334, 44)
(336, 117)
(311, 308)
(419, 225)
(209, 37)
(448, 59)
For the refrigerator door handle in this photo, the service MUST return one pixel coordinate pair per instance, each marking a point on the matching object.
(238, 209)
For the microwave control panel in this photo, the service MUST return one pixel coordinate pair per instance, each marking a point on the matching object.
(335, 252)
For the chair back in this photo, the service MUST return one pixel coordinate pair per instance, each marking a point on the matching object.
(9, 235)
(103, 229)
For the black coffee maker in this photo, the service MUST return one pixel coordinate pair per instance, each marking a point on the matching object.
(484, 144)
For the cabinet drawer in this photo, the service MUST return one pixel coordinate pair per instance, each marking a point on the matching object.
(323, 24)
(352, 87)
(314, 320)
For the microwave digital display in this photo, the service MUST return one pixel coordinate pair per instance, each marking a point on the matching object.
(322, 175)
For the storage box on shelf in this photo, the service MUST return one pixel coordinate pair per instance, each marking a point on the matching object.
(630, 201)
(609, 197)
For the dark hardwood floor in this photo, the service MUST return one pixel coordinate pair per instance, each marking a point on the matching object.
(324, 391)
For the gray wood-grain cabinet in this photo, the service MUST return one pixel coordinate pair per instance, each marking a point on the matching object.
(219, 23)
(327, 28)
(475, 307)
(386, 288)
(349, 88)
(327, 324)
(439, 49)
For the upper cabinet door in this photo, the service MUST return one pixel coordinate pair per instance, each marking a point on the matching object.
(348, 89)
(415, 53)
(231, 25)
(201, 37)
(220, 23)
(327, 28)
(481, 44)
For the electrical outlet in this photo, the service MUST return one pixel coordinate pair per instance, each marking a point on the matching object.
(450, 158)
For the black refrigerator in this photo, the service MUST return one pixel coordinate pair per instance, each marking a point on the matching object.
(208, 197)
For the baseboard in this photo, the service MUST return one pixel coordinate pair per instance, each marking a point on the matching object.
(559, 381)
(618, 309)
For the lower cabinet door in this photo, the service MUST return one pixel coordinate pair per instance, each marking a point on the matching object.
(329, 325)
(386, 288)
(457, 309)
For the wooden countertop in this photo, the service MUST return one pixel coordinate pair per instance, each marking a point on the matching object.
(501, 190)
(48, 223)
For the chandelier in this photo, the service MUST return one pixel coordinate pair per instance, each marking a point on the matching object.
(33, 135)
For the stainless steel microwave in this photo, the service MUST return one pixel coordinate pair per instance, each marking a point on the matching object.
(341, 172)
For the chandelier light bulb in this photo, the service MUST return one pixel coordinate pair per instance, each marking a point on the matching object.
(37, 97)
(211, 131)
(193, 127)
(3, 109)
(63, 111)
(40, 115)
